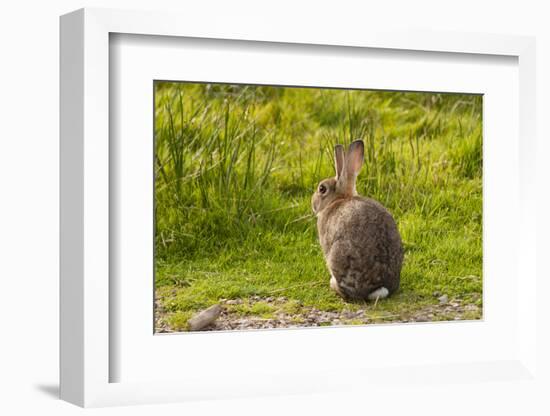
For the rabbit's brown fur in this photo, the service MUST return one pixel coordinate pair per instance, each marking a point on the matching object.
(359, 237)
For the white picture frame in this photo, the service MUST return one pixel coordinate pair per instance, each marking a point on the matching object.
(137, 61)
(86, 305)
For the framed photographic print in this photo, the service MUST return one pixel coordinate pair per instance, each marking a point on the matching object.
(268, 213)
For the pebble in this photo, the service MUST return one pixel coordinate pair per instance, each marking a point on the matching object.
(443, 299)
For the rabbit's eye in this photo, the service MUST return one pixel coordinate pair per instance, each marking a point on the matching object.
(322, 189)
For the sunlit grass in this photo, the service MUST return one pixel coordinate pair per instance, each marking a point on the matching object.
(236, 167)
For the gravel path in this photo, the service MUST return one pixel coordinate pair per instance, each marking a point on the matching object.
(232, 318)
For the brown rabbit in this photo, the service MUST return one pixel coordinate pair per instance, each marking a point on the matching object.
(359, 237)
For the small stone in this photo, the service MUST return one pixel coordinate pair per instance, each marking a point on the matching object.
(443, 299)
(234, 302)
(204, 318)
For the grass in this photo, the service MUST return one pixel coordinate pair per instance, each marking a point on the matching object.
(236, 167)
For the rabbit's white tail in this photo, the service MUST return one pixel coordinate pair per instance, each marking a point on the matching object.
(379, 293)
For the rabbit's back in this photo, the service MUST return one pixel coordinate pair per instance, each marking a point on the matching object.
(362, 246)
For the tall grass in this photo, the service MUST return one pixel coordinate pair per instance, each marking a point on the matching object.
(231, 158)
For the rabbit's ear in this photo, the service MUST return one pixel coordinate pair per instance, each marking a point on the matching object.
(354, 158)
(339, 159)
(353, 163)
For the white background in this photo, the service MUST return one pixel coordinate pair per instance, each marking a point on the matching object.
(29, 172)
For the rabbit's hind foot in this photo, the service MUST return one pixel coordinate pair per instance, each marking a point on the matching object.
(334, 285)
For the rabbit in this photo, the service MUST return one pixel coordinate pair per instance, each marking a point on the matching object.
(358, 235)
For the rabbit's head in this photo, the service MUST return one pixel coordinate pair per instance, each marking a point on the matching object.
(342, 186)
